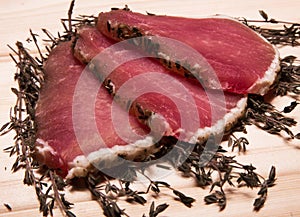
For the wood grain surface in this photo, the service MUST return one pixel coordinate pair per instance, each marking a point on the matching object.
(18, 16)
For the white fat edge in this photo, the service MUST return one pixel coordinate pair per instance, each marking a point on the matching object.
(80, 166)
(168, 131)
(43, 149)
(163, 56)
(222, 125)
(43, 146)
(205, 77)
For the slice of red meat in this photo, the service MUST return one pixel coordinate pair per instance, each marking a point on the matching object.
(243, 61)
(57, 144)
(190, 112)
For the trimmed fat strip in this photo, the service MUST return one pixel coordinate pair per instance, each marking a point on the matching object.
(243, 61)
(91, 42)
(56, 143)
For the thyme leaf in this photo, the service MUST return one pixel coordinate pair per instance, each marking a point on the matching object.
(7, 206)
(156, 211)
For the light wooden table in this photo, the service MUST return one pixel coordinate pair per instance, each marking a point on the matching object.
(265, 150)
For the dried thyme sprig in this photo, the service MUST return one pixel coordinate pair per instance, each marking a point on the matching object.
(7, 206)
(266, 117)
(107, 194)
(58, 184)
(29, 76)
(228, 170)
(155, 211)
(260, 201)
(286, 35)
(155, 186)
(70, 12)
(109, 206)
(47, 189)
(289, 77)
(239, 143)
(81, 20)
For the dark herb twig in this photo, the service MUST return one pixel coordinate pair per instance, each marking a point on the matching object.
(155, 211)
(105, 194)
(70, 11)
(266, 117)
(33, 36)
(109, 206)
(266, 18)
(81, 20)
(63, 204)
(286, 35)
(8, 207)
(51, 38)
(260, 201)
(239, 143)
(155, 186)
(229, 171)
(289, 77)
(29, 76)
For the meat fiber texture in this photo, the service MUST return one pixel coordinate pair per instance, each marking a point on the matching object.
(242, 60)
(57, 145)
(190, 112)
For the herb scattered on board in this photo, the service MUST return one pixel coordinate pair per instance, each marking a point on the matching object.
(29, 76)
(7, 206)
(49, 186)
(289, 78)
(107, 194)
(287, 34)
(154, 211)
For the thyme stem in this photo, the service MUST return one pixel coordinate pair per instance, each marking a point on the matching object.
(57, 194)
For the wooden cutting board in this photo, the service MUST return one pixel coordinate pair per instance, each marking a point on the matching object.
(18, 16)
